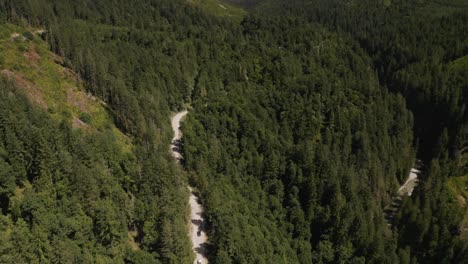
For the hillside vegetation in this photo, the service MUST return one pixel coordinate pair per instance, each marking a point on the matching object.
(68, 177)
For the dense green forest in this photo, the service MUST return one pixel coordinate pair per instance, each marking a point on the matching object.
(306, 116)
(418, 49)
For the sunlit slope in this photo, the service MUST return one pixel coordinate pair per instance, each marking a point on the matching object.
(25, 59)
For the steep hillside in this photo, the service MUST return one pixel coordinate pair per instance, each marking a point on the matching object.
(68, 177)
(26, 60)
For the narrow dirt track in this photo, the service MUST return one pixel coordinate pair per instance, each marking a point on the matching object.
(408, 187)
(197, 222)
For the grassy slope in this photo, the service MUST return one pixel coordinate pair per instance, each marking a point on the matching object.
(53, 87)
(40, 76)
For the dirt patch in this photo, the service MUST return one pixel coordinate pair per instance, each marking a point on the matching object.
(78, 99)
(77, 123)
(17, 36)
(8, 74)
(31, 91)
(14, 36)
(461, 200)
(32, 57)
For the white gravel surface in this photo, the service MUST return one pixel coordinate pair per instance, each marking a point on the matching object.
(197, 223)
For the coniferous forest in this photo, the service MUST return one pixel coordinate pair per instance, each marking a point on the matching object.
(305, 118)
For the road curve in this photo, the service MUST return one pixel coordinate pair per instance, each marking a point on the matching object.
(405, 190)
(197, 222)
(408, 187)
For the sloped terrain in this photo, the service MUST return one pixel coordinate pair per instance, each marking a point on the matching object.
(68, 176)
(27, 61)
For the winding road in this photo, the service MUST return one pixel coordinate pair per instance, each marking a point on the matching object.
(197, 225)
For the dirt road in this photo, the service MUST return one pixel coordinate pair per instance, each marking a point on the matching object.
(197, 222)
(408, 187)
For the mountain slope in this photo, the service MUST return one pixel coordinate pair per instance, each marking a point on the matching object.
(68, 176)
